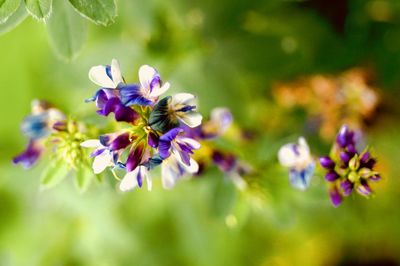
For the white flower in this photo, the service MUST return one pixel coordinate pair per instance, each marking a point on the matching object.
(103, 156)
(135, 178)
(106, 76)
(297, 157)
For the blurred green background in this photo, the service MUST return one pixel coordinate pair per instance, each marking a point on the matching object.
(229, 53)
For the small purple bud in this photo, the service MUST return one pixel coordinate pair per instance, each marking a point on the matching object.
(345, 157)
(364, 189)
(331, 176)
(351, 150)
(365, 157)
(341, 138)
(335, 196)
(60, 126)
(327, 162)
(375, 178)
(347, 187)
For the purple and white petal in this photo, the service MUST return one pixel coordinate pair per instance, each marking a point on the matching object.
(99, 76)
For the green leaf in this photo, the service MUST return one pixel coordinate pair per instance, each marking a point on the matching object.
(100, 12)
(54, 174)
(7, 8)
(84, 176)
(67, 30)
(13, 21)
(39, 9)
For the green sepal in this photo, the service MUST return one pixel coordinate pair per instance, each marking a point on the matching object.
(83, 177)
(54, 174)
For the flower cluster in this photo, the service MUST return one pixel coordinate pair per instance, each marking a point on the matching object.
(37, 127)
(331, 101)
(348, 169)
(297, 157)
(154, 131)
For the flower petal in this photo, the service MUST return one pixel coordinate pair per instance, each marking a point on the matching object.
(193, 144)
(169, 173)
(192, 119)
(129, 181)
(183, 99)
(116, 73)
(131, 94)
(134, 157)
(91, 143)
(28, 157)
(101, 162)
(157, 91)
(98, 75)
(146, 74)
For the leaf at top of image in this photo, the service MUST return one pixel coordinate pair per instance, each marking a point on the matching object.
(101, 12)
(14, 20)
(39, 9)
(67, 31)
(7, 8)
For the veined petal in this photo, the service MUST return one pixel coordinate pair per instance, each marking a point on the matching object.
(129, 181)
(116, 72)
(157, 91)
(98, 75)
(169, 173)
(101, 162)
(131, 94)
(193, 144)
(146, 74)
(134, 157)
(192, 168)
(183, 99)
(149, 181)
(192, 119)
(91, 143)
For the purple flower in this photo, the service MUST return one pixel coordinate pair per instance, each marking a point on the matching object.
(355, 171)
(29, 157)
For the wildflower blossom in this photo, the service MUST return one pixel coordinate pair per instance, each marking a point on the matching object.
(154, 137)
(297, 157)
(347, 169)
(36, 127)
